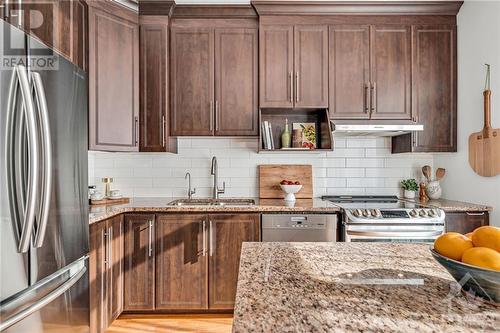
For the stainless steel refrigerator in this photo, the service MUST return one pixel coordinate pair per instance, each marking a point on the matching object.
(43, 189)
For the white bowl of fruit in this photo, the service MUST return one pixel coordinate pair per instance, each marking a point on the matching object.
(290, 188)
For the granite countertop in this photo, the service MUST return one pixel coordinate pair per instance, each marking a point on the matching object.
(99, 213)
(453, 205)
(352, 287)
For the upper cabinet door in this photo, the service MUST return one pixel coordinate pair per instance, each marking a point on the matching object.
(276, 66)
(391, 72)
(192, 78)
(434, 88)
(311, 66)
(154, 85)
(349, 72)
(181, 261)
(113, 82)
(236, 87)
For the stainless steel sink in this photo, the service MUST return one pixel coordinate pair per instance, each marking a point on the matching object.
(212, 202)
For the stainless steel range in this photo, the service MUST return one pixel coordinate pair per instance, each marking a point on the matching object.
(387, 219)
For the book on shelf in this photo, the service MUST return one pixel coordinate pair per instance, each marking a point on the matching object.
(267, 136)
(264, 135)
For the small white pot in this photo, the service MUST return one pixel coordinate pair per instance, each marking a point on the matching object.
(433, 190)
(290, 190)
(409, 194)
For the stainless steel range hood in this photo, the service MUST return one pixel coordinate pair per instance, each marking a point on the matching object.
(375, 129)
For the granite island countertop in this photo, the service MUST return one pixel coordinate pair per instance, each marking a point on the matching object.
(145, 205)
(352, 287)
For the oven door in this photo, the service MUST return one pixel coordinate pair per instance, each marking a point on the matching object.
(390, 233)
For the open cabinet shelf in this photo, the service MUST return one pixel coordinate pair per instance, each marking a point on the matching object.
(277, 117)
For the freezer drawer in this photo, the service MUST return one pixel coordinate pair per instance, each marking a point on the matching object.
(58, 303)
(299, 228)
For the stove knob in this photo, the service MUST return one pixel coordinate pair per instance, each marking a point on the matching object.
(432, 213)
(423, 213)
(356, 212)
(376, 213)
(413, 213)
(366, 213)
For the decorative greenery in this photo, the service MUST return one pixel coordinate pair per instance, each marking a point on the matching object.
(409, 184)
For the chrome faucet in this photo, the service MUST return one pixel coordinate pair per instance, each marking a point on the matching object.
(190, 192)
(214, 172)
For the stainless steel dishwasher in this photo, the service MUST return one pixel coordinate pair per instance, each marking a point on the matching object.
(299, 227)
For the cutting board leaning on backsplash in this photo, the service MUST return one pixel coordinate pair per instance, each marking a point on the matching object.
(270, 176)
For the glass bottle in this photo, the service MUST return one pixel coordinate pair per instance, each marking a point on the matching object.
(286, 138)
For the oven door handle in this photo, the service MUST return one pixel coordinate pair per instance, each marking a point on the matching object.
(393, 233)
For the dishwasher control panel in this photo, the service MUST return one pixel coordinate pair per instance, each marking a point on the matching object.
(296, 228)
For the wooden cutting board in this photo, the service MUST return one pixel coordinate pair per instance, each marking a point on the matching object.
(270, 176)
(484, 146)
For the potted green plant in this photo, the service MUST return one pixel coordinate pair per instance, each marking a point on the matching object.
(410, 188)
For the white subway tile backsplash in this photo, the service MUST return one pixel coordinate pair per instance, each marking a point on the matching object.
(358, 165)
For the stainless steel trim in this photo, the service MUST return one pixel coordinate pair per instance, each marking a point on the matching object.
(290, 75)
(376, 130)
(475, 214)
(8, 322)
(46, 149)
(211, 245)
(163, 131)
(150, 236)
(32, 184)
(136, 130)
(297, 87)
(204, 253)
(394, 234)
(373, 98)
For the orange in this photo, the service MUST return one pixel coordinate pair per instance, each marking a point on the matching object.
(452, 245)
(469, 235)
(487, 236)
(482, 257)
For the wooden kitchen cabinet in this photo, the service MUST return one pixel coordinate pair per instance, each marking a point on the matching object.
(370, 72)
(106, 272)
(60, 24)
(227, 232)
(214, 80)
(293, 66)
(464, 222)
(181, 265)
(139, 262)
(154, 86)
(434, 87)
(113, 77)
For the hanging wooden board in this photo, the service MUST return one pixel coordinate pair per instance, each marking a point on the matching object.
(270, 176)
(484, 146)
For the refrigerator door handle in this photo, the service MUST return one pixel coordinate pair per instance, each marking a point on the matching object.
(22, 212)
(46, 165)
(76, 271)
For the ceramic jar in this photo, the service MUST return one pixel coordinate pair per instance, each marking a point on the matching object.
(409, 194)
(433, 190)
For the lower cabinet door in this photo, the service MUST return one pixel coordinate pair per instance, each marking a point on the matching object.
(115, 267)
(98, 278)
(464, 222)
(139, 279)
(227, 232)
(181, 261)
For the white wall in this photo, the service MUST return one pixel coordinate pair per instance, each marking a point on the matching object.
(357, 166)
(478, 43)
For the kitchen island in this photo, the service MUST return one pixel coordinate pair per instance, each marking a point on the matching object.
(352, 287)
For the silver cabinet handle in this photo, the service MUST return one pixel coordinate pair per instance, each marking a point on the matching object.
(211, 245)
(475, 214)
(367, 97)
(204, 252)
(297, 87)
(136, 130)
(290, 75)
(150, 248)
(46, 153)
(22, 187)
(373, 97)
(110, 247)
(163, 123)
(105, 244)
(216, 115)
(55, 293)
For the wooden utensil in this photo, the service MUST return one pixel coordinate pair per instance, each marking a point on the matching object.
(484, 146)
(427, 171)
(270, 176)
(440, 172)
